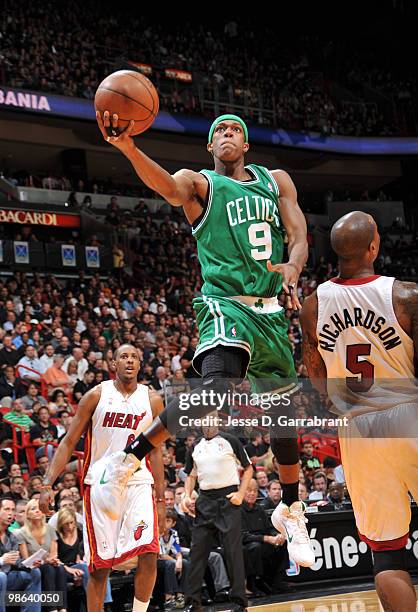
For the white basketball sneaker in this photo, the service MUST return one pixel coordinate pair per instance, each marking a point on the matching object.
(110, 477)
(291, 523)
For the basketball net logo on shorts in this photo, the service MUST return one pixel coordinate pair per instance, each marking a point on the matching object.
(139, 530)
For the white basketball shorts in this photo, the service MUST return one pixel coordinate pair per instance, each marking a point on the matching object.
(380, 471)
(108, 543)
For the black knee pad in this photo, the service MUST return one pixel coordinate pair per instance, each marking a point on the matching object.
(224, 362)
(285, 450)
(197, 403)
(384, 560)
(221, 368)
(219, 385)
(284, 437)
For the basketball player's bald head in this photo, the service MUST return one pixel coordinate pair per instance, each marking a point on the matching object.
(354, 235)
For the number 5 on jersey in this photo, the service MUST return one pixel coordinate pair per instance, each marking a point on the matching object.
(360, 367)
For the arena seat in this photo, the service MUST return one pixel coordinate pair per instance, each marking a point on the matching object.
(44, 388)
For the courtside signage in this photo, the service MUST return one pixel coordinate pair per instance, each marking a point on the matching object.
(78, 108)
(24, 99)
(30, 217)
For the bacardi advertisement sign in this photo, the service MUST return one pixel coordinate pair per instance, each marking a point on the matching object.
(32, 217)
(144, 68)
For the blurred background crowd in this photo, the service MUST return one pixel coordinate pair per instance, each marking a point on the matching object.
(57, 341)
(312, 84)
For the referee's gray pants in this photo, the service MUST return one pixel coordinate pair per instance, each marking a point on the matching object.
(215, 514)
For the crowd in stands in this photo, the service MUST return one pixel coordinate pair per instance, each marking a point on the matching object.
(50, 180)
(292, 83)
(74, 186)
(57, 339)
(398, 254)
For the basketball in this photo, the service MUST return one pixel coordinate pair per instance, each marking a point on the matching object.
(131, 96)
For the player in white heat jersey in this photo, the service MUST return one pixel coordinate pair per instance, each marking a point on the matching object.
(114, 414)
(360, 345)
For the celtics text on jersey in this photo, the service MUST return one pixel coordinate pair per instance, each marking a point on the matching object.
(239, 232)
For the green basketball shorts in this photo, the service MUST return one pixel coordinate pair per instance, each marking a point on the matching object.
(259, 327)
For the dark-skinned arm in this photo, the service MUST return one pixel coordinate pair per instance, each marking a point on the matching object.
(295, 225)
(157, 465)
(184, 188)
(311, 357)
(80, 421)
(405, 305)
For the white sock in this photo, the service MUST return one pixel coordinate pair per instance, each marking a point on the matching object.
(140, 606)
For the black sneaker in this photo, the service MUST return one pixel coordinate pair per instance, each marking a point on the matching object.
(205, 598)
(222, 596)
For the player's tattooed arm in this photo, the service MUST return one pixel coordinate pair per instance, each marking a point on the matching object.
(310, 355)
(405, 305)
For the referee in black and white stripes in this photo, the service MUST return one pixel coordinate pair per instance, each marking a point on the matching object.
(213, 462)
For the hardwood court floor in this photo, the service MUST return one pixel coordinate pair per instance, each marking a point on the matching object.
(361, 601)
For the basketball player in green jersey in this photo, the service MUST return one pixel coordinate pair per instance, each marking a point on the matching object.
(239, 215)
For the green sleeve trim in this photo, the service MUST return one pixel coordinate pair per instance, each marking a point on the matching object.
(273, 180)
(203, 221)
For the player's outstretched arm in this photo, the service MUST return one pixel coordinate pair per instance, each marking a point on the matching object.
(295, 225)
(86, 407)
(311, 357)
(179, 189)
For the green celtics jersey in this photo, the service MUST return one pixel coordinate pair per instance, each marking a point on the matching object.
(238, 233)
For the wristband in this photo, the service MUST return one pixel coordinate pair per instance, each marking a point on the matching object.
(46, 487)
